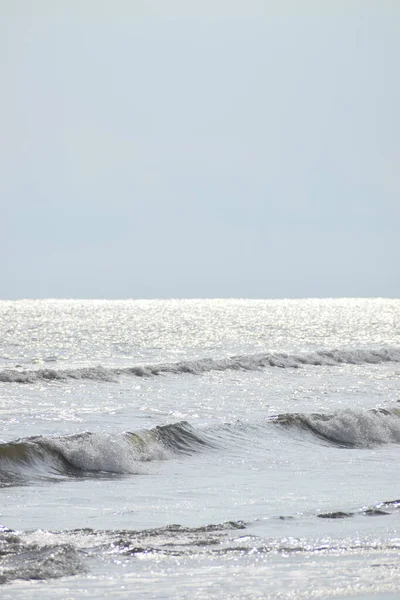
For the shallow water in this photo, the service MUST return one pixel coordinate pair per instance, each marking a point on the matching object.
(228, 448)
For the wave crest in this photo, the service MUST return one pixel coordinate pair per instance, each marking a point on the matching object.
(347, 428)
(103, 454)
(250, 362)
(87, 452)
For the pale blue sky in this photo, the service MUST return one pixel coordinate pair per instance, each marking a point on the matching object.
(211, 148)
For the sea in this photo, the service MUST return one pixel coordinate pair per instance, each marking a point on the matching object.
(200, 449)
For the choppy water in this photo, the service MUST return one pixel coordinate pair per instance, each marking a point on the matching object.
(199, 449)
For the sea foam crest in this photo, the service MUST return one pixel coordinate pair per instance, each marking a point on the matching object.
(348, 428)
(250, 362)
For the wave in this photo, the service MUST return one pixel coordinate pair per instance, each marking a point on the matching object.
(347, 428)
(250, 362)
(41, 554)
(39, 564)
(103, 454)
(38, 555)
(85, 453)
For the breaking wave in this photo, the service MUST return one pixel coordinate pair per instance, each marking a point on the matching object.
(347, 428)
(103, 454)
(85, 453)
(250, 362)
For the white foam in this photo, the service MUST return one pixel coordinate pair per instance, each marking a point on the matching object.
(106, 452)
(358, 428)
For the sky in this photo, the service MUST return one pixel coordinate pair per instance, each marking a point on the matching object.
(211, 148)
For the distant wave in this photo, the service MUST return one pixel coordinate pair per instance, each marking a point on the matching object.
(249, 362)
(99, 454)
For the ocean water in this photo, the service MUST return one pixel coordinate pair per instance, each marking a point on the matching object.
(200, 449)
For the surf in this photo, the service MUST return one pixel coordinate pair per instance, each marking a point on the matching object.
(104, 454)
(246, 362)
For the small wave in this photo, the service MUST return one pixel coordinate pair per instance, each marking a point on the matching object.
(339, 514)
(251, 362)
(44, 554)
(50, 554)
(347, 428)
(27, 560)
